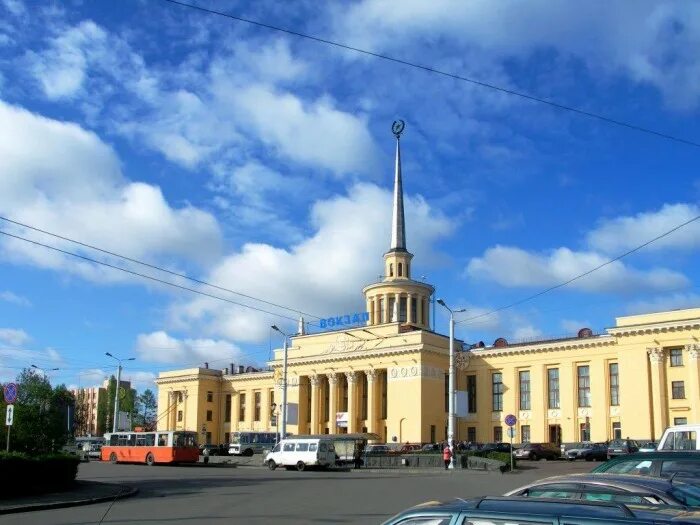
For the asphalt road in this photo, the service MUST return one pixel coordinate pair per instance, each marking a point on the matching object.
(254, 495)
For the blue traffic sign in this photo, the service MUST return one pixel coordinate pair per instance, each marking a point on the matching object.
(511, 420)
(10, 391)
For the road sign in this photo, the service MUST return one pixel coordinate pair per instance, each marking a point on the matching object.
(511, 432)
(10, 391)
(10, 416)
(511, 420)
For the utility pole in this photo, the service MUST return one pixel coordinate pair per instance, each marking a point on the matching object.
(117, 388)
(284, 383)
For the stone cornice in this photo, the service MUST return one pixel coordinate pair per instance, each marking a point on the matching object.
(354, 355)
(250, 376)
(573, 344)
(655, 328)
(178, 379)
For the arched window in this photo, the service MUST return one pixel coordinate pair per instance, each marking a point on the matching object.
(391, 269)
(400, 269)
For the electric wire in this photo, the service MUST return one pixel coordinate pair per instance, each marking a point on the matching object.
(155, 267)
(581, 275)
(429, 69)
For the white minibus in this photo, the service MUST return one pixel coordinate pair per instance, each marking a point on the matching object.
(301, 452)
(680, 437)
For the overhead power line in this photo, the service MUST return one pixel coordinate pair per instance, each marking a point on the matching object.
(429, 69)
(580, 276)
(144, 276)
(155, 267)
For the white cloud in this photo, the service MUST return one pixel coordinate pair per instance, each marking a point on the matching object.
(59, 177)
(650, 42)
(324, 273)
(623, 233)
(514, 267)
(14, 6)
(526, 333)
(13, 336)
(13, 298)
(572, 326)
(664, 303)
(160, 347)
(140, 380)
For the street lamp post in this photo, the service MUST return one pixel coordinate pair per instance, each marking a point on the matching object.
(44, 370)
(116, 390)
(284, 383)
(451, 387)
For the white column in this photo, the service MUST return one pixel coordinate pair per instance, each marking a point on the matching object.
(372, 400)
(693, 380)
(409, 311)
(397, 308)
(332, 402)
(352, 401)
(658, 388)
(314, 384)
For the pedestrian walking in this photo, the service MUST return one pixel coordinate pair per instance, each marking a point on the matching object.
(447, 455)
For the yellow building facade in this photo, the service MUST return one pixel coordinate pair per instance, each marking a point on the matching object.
(389, 377)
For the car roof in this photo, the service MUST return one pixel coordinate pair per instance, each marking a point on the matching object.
(554, 507)
(630, 481)
(658, 454)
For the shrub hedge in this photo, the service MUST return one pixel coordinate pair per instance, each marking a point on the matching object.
(24, 474)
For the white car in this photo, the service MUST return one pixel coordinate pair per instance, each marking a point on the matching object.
(301, 452)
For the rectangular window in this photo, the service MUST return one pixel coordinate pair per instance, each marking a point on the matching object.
(585, 431)
(432, 433)
(227, 410)
(471, 434)
(678, 390)
(308, 402)
(471, 394)
(616, 431)
(363, 401)
(680, 420)
(447, 392)
(241, 407)
(210, 415)
(498, 434)
(384, 393)
(584, 386)
(402, 307)
(525, 434)
(344, 399)
(414, 310)
(676, 356)
(614, 385)
(497, 392)
(208, 438)
(210, 397)
(179, 415)
(524, 389)
(256, 399)
(326, 400)
(553, 387)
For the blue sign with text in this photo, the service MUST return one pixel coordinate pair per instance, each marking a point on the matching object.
(344, 320)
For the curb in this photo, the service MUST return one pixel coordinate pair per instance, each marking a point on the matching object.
(131, 491)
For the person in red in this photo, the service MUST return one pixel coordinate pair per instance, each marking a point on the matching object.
(447, 455)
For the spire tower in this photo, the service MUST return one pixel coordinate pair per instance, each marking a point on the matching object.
(398, 223)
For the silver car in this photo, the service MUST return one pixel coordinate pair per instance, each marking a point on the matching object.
(619, 488)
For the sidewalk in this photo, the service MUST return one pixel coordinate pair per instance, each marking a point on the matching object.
(82, 493)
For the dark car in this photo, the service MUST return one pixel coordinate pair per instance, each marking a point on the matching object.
(598, 452)
(209, 450)
(496, 447)
(620, 488)
(537, 451)
(655, 464)
(542, 511)
(619, 447)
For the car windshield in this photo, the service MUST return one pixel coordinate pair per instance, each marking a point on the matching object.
(235, 439)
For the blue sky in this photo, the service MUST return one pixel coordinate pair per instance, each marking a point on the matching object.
(263, 163)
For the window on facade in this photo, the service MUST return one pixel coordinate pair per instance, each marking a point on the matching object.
(391, 269)
(471, 394)
(210, 415)
(584, 386)
(680, 420)
(241, 407)
(256, 401)
(553, 387)
(383, 382)
(585, 431)
(432, 433)
(616, 431)
(614, 385)
(308, 402)
(676, 357)
(179, 415)
(524, 376)
(471, 434)
(497, 434)
(210, 397)
(400, 269)
(179, 397)
(525, 434)
(403, 306)
(414, 310)
(344, 398)
(227, 410)
(326, 399)
(447, 392)
(497, 392)
(363, 401)
(678, 390)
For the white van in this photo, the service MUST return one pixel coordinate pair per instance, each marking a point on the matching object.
(300, 452)
(680, 437)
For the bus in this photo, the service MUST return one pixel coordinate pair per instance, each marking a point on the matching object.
(249, 443)
(150, 447)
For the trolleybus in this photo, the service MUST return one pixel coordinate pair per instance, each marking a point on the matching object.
(150, 447)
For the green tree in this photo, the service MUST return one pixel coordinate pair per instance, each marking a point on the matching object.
(41, 422)
(148, 406)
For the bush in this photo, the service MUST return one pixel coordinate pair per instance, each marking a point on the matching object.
(24, 474)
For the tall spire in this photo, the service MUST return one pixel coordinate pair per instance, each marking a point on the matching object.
(398, 225)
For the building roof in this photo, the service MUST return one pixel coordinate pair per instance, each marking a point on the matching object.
(398, 223)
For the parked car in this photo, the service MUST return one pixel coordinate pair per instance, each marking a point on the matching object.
(648, 446)
(618, 447)
(407, 448)
(430, 447)
(588, 452)
(574, 452)
(515, 510)
(621, 488)
(680, 437)
(655, 464)
(537, 451)
(95, 451)
(302, 452)
(209, 450)
(496, 447)
(378, 449)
